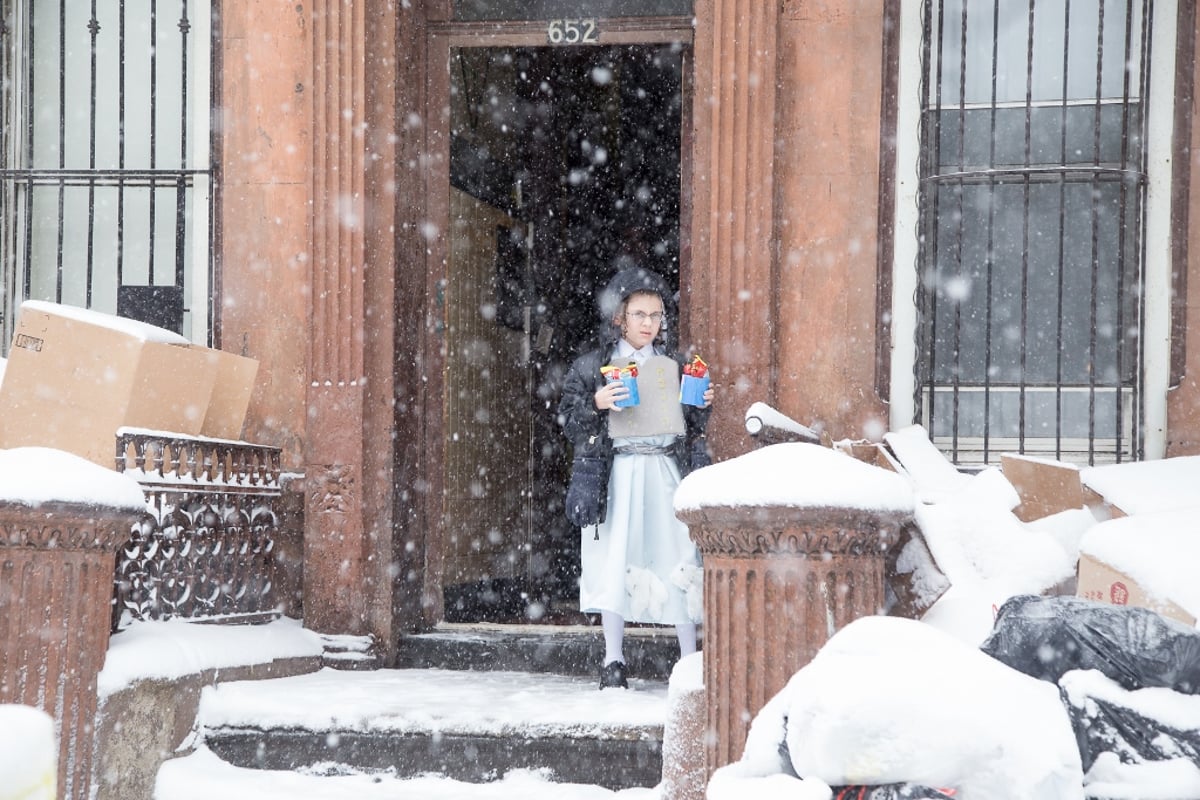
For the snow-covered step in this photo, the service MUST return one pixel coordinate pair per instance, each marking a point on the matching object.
(564, 649)
(203, 776)
(466, 725)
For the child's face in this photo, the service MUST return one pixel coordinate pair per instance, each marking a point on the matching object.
(641, 320)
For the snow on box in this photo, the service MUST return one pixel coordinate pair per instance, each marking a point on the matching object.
(795, 475)
(1141, 487)
(130, 327)
(1156, 553)
(75, 375)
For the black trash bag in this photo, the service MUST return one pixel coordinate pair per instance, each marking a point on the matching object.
(890, 791)
(1103, 726)
(1046, 637)
(587, 493)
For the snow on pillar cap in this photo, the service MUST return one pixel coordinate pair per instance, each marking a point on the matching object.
(32, 476)
(796, 475)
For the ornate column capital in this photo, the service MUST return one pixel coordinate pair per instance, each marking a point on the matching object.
(813, 532)
(65, 526)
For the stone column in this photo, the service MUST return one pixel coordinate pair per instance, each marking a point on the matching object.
(335, 547)
(778, 582)
(730, 287)
(56, 586)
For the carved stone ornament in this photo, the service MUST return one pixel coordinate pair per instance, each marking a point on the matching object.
(335, 491)
(68, 526)
(807, 532)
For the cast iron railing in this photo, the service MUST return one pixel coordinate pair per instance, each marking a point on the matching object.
(206, 546)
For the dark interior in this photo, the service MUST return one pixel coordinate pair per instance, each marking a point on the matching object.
(581, 145)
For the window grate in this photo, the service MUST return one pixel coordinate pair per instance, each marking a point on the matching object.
(105, 160)
(1033, 183)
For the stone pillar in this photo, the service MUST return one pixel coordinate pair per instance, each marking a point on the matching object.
(56, 586)
(778, 582)
(730, 288)
(684, 776)
(335, 547)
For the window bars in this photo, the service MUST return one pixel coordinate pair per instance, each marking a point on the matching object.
(105, 163)
(1033, 185)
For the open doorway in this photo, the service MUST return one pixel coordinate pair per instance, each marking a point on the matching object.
(565, 164)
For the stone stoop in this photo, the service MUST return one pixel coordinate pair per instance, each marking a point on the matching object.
(650, 652)
(558, 666)
(631, 758)
(350, 652)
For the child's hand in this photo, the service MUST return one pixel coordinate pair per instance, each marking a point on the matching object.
(607, 396)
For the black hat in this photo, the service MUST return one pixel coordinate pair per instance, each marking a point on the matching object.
(625, 283)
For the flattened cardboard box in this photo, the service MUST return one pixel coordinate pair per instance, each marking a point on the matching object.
(1100, 582)
(74, 377)
(1044, 486)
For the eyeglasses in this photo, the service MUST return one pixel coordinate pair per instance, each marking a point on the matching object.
(642, 316)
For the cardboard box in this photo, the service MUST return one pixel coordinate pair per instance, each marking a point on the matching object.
(1134, 488)
(871, 452)
(1100, 582)
(230, 396)
(1045, 486)
(75, 376)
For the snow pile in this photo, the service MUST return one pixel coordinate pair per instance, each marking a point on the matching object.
(983, 550)
(1147, 487)
(35, 475)
(164, 650)
(1159, 551)
(933, 475)
(28, 767)
(891, 700)
(796, 475)
(203, 776)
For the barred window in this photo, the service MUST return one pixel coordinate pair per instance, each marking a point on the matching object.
(1031, 215)
(105, 159)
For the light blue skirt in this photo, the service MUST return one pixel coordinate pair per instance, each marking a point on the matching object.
(640, 562)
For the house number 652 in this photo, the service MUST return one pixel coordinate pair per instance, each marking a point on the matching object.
(573, 31)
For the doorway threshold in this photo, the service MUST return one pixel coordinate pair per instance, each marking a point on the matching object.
(543, 629)
(651, 652)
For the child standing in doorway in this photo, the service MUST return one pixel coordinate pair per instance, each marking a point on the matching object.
(639, 564)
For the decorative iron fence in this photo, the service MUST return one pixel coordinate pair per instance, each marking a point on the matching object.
(206, 546)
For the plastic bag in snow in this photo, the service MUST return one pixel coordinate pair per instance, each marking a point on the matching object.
(1046, 637)
(1138, 727)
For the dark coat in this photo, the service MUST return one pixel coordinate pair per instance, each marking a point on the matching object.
(586, 427)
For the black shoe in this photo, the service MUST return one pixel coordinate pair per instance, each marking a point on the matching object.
(612, 675)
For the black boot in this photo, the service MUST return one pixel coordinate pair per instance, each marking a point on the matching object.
(612, 675)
